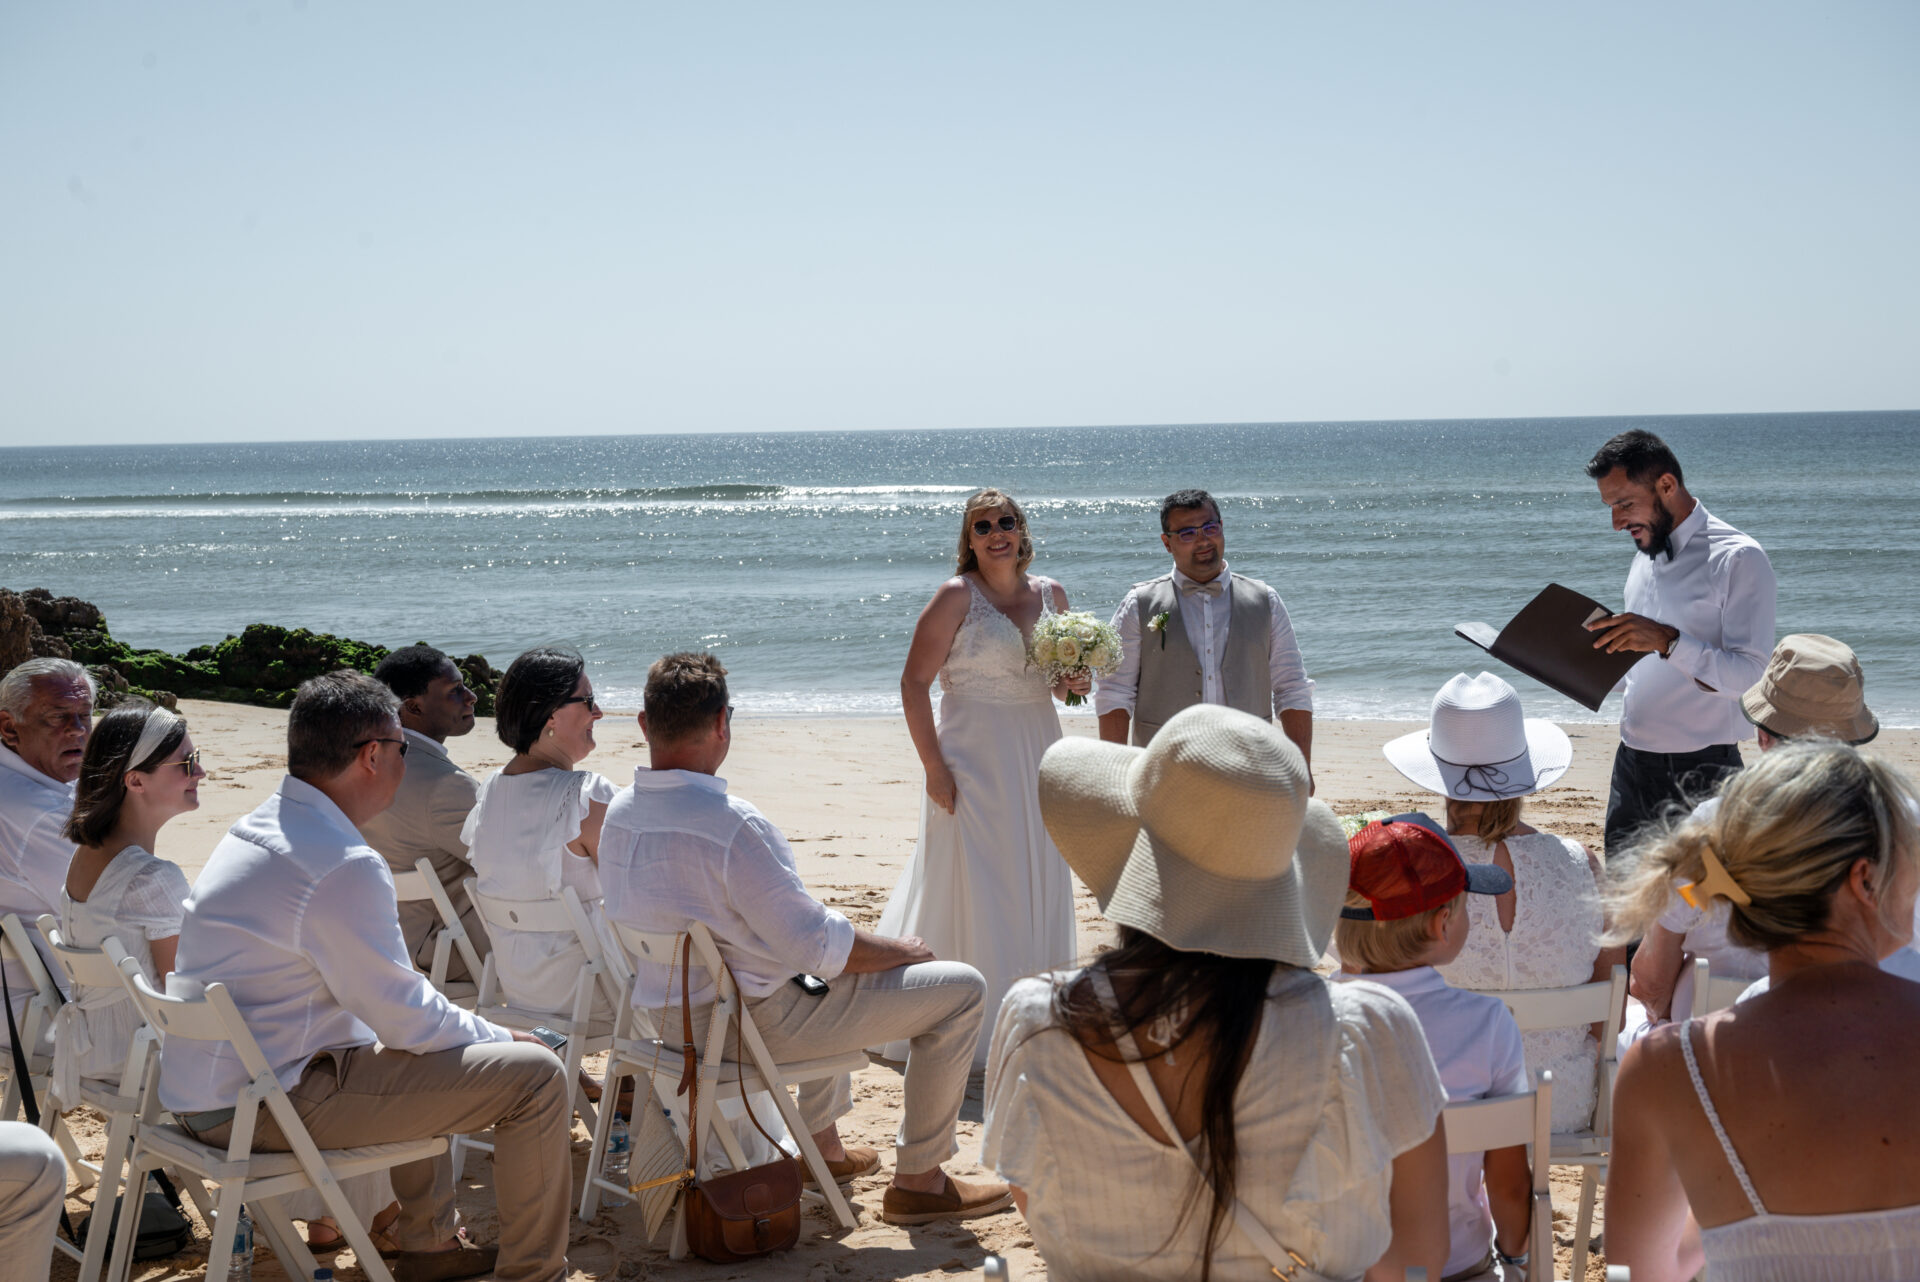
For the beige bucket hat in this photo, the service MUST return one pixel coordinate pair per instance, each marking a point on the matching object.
(1812, 685)
(1205, 839)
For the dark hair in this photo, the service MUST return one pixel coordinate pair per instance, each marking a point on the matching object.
(1224, 1000)
(1644, 456)
(332, 716)
(1184, 499)
(102, 787)
(534, 688)
(684, 691)
(409, 670)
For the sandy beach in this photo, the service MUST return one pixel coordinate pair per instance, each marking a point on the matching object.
(846, 792)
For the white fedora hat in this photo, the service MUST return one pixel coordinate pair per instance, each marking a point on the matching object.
(1478, 746)
(1204, 839)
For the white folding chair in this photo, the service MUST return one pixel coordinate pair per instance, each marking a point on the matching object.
(423, 884)
(99, 968)
(638, 1047)
(1502, 1121)
(19, 956)
(242, 1176)
(1601, 1002)
(585, 1036)
(1710, 994)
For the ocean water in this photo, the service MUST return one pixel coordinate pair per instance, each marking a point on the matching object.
(804, 559)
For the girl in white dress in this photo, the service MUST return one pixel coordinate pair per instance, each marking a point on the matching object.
(535, 827)
(985, 885)
(1774, 1139)
(1484, 755)
(141, 769)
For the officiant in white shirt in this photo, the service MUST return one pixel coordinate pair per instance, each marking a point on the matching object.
(1203, 634)
(1699, 602)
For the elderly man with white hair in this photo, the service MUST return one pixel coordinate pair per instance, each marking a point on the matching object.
(46, 714)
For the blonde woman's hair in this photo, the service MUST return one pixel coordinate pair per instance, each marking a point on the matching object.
(1382, 947)
(1495, 820)
(981, 501)
(1788, 830)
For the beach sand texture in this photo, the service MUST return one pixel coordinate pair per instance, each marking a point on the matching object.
(847, 793)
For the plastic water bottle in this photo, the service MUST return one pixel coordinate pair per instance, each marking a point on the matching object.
(240, 1266)
(619, 1153)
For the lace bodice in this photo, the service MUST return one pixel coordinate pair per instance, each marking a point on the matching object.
(1556, 928)
(988, 659)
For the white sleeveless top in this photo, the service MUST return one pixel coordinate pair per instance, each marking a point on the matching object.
(988, 659)
(1852, 1246)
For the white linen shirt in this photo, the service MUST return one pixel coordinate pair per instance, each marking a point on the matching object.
(1718, 590)
(34, 854)
(1205, 618)
(1476, 1046)
(675, 848)
(295, 914)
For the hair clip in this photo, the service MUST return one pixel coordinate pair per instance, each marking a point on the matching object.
(1718, 883)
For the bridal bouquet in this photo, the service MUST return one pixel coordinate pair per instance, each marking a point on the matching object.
(1070, 645)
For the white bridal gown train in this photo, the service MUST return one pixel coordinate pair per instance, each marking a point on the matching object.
(986, 885)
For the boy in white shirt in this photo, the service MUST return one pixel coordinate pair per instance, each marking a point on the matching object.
(1405, 915)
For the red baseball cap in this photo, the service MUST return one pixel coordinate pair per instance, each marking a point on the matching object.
(1407, 864)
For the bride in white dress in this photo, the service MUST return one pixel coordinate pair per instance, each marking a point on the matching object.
(986, 885)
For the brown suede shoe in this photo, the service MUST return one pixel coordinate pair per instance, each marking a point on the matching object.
(960, 1200)
(464, 1261)
(857, 1162)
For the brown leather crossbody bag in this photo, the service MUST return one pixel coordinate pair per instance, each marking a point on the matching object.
(741, 1214)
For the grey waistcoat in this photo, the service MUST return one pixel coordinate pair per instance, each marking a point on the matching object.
(1170, 677)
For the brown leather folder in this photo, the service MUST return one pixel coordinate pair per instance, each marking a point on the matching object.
(1548, 641)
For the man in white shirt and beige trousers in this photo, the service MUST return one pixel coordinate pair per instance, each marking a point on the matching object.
(1203, 634)
(295, 914)
(1700, 604)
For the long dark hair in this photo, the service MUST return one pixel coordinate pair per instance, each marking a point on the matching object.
(535, 687)
(102, 786)
(1223, 1000)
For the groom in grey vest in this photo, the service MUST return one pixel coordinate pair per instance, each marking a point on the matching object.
(1203, 634)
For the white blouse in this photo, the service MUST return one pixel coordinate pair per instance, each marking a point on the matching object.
(137, 898)
(1318, 1125)
(517, 837)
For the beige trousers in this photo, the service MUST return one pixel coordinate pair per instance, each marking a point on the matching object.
(374, 1095)
(33, 1180)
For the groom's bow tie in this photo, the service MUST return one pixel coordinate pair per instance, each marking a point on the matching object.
(1190, 588)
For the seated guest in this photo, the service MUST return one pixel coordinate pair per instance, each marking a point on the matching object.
(676, 848)
(431, 808)
(1484, 755)
(1783, 1127)
(1406, 913)
(535, 828)
(295, 914)
(33, 1183)
(1812, 686)
(1307, 1113)
(46, 713)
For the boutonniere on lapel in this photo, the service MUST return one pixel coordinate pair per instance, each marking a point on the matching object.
(1158, 623)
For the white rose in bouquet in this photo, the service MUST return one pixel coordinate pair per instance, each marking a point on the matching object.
(1072, 645)
(1067, 652)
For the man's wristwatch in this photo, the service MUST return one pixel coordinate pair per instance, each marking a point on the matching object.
(1668, 652)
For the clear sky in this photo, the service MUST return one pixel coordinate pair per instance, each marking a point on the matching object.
(270, 220)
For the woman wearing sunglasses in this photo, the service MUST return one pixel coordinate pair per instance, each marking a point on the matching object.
(535, 827)
(986, 885)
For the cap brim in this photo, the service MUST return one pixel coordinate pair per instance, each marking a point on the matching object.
(1488, 879)
(1549, 754)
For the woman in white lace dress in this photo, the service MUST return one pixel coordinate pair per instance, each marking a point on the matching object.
(985, 885)
(535, 827)
(1484, 755)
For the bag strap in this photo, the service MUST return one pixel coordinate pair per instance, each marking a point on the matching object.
(739, 1061)
(689, 1061)
(1286, 1264)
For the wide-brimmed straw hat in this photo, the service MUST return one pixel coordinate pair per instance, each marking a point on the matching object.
(1812, 685)
(1478, 746)
(1204, 839)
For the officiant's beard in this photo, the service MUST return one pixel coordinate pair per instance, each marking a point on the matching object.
(1659, 531)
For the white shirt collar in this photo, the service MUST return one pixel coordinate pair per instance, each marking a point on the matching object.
(1683, 533)
(1421, 979)
(650, 780)
(425, 742)
(302, 793)
(1181, 580)
(18, 764)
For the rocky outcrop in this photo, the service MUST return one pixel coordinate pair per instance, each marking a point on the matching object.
(263, 665)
